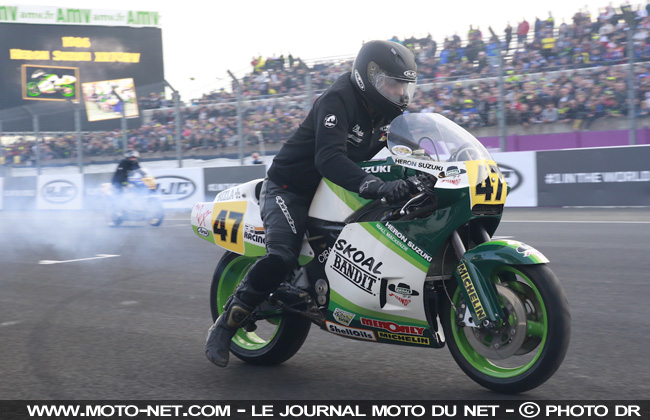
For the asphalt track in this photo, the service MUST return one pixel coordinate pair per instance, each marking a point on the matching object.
(132, 326)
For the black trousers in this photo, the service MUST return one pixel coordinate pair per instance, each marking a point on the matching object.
(285, 217)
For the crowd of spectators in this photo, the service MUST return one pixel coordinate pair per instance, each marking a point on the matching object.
(543, 46)
(563, 73)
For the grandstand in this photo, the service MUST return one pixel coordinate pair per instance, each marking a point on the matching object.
(558, 78)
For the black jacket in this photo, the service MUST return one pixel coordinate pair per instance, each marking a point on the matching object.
(122, 172)
(338, 131)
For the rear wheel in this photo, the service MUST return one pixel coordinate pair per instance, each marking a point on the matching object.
(530, 344)
(276, 338)
(32, 89)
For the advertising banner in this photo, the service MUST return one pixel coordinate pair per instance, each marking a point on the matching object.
(520, 172)
(53, 15)
(60, 192)
(608, 176)
(179, 188)
(19, 193)
(219, 179)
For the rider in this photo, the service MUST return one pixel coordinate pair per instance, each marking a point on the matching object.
(346, 124)
(126, 165)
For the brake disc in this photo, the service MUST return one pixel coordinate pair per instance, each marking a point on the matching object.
(506, 340)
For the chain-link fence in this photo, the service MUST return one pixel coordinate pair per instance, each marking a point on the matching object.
(255, 118)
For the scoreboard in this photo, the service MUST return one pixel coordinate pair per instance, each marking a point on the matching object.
(76, 57)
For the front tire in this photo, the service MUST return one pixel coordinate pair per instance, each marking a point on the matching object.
(156, 212)
(276, 339)
(529, 347)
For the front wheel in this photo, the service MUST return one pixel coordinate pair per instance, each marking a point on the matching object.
(155, 211)
(276, 338)
(528, 347)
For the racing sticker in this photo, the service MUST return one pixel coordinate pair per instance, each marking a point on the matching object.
(227, 226)
(201, 217)
(254, 234)
(353, 265)
(401, 150)
(471, 292)
(486, 182)
(404, 338)
(402, 292)
(343, 317)
(358, 333)
(392, 327)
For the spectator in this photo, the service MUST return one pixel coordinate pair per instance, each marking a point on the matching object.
(522, 31)
(508, 32)
(255, 159)
(549, 114)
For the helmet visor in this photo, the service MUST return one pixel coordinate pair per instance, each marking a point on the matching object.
(398, 91)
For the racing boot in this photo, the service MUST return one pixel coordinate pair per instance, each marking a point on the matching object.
(237, 310)
(217, 345)
(263, 278)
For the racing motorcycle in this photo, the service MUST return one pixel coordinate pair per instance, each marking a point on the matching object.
(424, 273)
(137, 201)
(51, 83)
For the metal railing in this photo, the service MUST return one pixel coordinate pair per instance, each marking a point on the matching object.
(238, 128)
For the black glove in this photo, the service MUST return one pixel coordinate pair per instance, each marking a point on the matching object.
(393, 191)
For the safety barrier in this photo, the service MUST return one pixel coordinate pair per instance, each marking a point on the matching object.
(605, 176)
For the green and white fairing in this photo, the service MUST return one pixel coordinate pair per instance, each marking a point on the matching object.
(233, 222)
(377, 286)
(378, 270)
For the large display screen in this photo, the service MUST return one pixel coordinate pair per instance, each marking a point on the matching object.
(108, 99)
(55, 64)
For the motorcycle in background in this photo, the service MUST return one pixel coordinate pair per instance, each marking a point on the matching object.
(136, 202)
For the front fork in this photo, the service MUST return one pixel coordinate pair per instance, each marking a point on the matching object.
(480, 306)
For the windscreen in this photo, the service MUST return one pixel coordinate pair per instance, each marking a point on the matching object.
(433, 137)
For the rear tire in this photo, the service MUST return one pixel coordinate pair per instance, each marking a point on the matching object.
(536, 306)
(276, 339)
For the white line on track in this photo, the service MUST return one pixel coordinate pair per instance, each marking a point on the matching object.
(98, 257)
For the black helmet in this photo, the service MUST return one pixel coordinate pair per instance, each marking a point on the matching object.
(385, 74)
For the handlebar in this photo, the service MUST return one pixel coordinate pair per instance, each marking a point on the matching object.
(422, 184)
